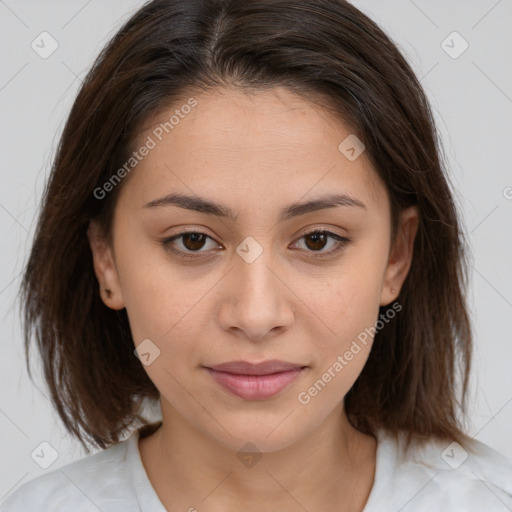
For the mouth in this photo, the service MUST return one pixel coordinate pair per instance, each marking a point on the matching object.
(255, 381)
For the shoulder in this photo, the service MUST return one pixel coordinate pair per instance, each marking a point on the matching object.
(442, 475)
(98, 481)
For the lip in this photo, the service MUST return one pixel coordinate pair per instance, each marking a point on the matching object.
(255, 381)
(263, 368)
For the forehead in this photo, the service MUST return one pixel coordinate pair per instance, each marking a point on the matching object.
(271, 143)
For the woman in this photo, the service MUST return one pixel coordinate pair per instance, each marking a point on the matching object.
(248, 223)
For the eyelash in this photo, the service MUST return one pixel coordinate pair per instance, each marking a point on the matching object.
(342, 243)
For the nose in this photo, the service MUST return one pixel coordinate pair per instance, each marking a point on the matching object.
(256, 302)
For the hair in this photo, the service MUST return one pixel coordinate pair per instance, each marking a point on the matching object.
(327, 51)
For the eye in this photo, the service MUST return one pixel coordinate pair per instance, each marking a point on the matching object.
(189, 242)
(318, 240)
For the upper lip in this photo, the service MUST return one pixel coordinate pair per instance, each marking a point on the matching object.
(263, 368)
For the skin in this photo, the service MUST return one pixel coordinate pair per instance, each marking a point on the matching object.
(256, 154)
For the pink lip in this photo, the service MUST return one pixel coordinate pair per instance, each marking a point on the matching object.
(255, 381)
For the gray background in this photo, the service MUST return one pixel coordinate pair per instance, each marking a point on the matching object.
(472, 99)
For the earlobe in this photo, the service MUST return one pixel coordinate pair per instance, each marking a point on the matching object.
(401, 254)
(105, 267)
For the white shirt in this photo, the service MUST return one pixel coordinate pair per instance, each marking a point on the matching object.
(422, 479)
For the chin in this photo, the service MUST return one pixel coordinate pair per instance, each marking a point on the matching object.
(247, 440)
(269, 434)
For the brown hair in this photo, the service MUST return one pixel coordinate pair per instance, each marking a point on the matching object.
(328, 52)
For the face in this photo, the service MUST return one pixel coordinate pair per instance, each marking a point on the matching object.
(282, 253)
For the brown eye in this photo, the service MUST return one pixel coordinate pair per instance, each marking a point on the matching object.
(316, 241)
(190, 244)
(193, 241)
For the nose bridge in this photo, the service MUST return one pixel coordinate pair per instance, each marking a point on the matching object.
(258, 301)
(256, 281)
(255, 278)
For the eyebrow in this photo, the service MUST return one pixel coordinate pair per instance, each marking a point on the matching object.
(203, 205)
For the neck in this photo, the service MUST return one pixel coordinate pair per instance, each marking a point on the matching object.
(334, 464)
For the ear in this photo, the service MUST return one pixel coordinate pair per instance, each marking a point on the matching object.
(400, 255)
(105, 267)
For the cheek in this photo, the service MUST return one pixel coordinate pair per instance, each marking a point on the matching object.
(350, 308)
(159, 296)
(174, 319)
(349, 301)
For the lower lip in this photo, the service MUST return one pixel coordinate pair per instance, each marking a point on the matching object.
(255, 387)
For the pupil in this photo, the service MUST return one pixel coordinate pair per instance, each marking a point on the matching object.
(319, 240)
(193, 241)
